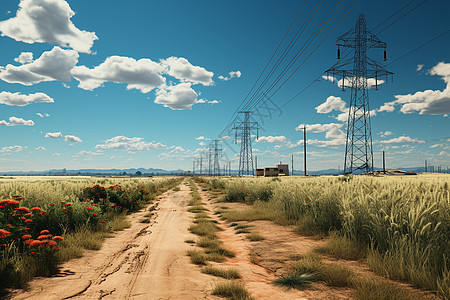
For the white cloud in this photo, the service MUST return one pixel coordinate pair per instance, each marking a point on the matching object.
(72, 139)
(437, 145)
(443, 153)
(202, 143)
(40, 148)
(428, 102)
(56, 154)
(55, 64)
(129, 144)
(332, 103)
(142, 74)
(232, 74)
(272, 139)
(347, 81)
(402, 139)
(18, 99)
(89, 153)
(177, 97)
(315, 128)
(15, 148)
(385, 133)
(227, 137)
(419, 67)
(24, 58)
(13, 121)
(47, 21)
(326, 143)
(201, 138)
(20, 121)
(53, 135)
(40, 115)
(183, 70)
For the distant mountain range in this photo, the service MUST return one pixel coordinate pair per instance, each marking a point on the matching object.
(155, 172)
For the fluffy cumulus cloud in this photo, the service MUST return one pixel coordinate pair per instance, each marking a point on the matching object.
(315, 128)
(183, 70)
(334, 134)
(385, 133)
(24, 58)
(15, 148)
(52, 65)
(142, 74)
(72, 139)
(177, 97)
(272, 139)
(47, 21)
(337, 104)
(53, 135)
(129, 144)
(402, 139)
(18, 99)
(13, 121)
(347, 81)
(428, 102)
(232, 74)
(332, 103)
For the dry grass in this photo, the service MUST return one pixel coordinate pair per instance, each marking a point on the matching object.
(231, 290)
(230, 273)
(255, 237)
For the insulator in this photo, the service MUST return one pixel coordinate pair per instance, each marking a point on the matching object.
(384, 59)
(339, 53)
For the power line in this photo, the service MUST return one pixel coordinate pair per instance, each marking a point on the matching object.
(393, 14)
(418, 47)
(402, 16)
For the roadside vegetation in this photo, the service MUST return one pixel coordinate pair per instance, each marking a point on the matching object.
(45, 222)
(400, 225)
(210, 249)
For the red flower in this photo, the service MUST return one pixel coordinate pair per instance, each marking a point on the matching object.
(26, 237)
(58, 238)
(13, 202)
(68, 204)
(94, 215)
(28, 242)
(28, 221)
(15, 196)
(22, 209)
(4, 233)
(52, 243)
(35, 209)
(45, 231)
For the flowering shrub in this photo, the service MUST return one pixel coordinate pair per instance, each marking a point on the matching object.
(115, 197)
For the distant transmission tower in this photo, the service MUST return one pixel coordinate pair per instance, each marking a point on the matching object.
(358, 146)
(243, 131)
(217, 148)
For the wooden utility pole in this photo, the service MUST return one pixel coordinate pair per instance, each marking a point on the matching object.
(384, 164)
(304, 147)
(425, 165)
(256, 162)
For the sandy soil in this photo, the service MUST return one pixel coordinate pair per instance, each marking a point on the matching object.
(146, 261)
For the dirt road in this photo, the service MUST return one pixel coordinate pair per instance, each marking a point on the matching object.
(146, 261)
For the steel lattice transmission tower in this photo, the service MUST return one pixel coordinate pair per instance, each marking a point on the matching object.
(355, 72)
(243, 130)
(217, 148)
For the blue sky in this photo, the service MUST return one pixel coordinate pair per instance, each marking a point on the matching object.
(114, 84)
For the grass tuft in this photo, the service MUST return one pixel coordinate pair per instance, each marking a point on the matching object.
(255, 237)
(231, 290)
(297, 281)
(197, 257)
(230, 273)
